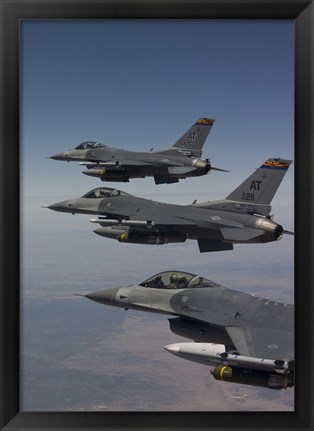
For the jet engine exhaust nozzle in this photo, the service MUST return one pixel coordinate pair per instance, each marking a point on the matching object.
(202, 164)
(279, 232)
(271, 228)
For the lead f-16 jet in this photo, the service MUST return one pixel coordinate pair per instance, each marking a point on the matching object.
(182, 160)
(247, 339)
(243, 217)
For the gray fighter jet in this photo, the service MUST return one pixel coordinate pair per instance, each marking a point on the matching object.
(243, 217)
(166, 166)
(247, 339)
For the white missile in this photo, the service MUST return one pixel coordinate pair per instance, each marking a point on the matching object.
(111, 222)
(203, 353)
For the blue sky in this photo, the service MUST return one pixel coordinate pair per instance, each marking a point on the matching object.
(137, 85)
(140, 84)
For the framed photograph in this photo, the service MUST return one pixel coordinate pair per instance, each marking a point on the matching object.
(138, 76)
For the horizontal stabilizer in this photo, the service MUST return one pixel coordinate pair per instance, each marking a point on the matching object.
(165, 179)
(235, 234)
(206, 245)
(180, 170)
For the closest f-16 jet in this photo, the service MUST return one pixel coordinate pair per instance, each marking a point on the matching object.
(245, 338)
(166, 166)
(243, 217)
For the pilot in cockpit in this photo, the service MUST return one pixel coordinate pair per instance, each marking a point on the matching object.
(182, 282)
(158, 283)
(103, 193)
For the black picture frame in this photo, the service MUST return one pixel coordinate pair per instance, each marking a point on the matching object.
(11, 418)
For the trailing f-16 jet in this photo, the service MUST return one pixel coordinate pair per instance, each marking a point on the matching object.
(243, 217)
(182, 160)
(247, 339)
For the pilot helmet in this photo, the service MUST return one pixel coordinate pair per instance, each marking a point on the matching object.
(173, 278)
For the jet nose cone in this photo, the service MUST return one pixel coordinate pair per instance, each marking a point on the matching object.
(55, 207)
(65, 206)
(69, 155)
(59, 156)
(107, 296)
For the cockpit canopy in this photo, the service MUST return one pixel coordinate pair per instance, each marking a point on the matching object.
(88, 145)
(177, 280)
(103, 192)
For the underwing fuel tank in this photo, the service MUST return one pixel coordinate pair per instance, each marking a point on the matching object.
(111, 232)
(107, 175)
(125, 235)
(150, 238)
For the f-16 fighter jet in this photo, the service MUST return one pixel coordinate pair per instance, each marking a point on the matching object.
(182, 160)
(245, 338)
(243, 217)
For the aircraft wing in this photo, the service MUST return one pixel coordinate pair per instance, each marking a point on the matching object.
(168, 164)
(163, 220)
(173, 166)
(256, 327)
(262, 343)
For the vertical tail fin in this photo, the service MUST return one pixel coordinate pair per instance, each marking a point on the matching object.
(191, 143)
(261, 186)
(193, 140)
